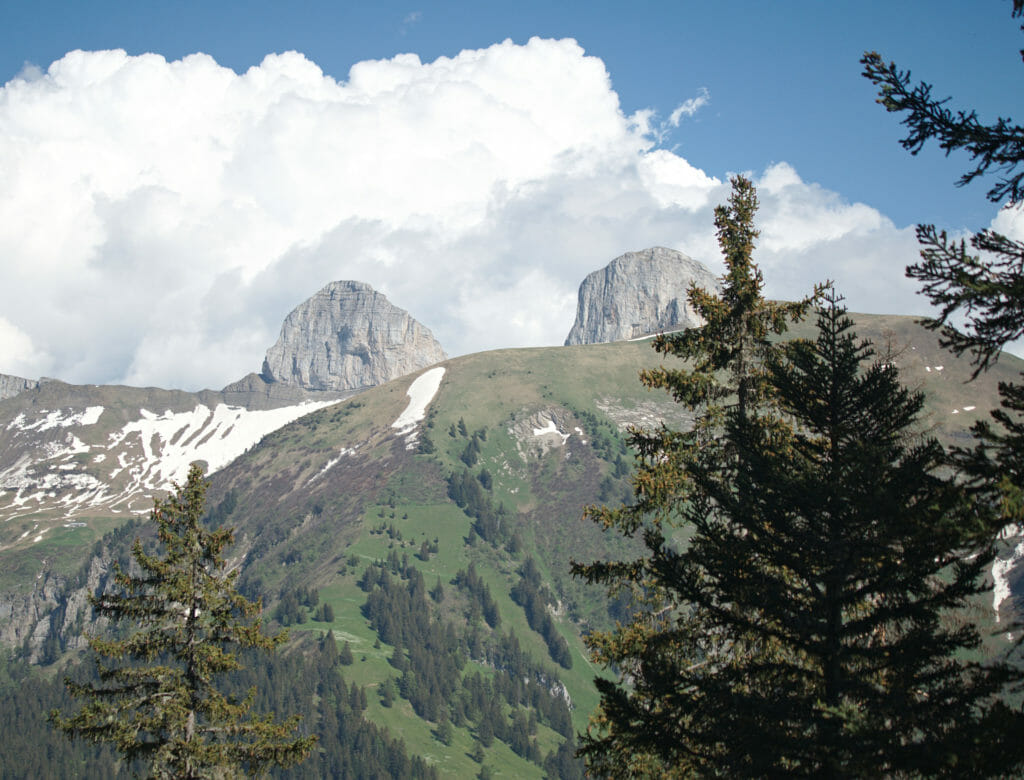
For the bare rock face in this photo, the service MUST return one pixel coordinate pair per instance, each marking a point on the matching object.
(638, 294)
(346, 337)
(10, 385)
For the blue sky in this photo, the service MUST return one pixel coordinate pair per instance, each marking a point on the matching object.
(775, 88)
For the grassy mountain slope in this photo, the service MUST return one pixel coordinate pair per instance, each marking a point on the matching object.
(324, 497)
(514, 444)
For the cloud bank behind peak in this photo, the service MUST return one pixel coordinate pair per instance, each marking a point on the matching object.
(159, 219)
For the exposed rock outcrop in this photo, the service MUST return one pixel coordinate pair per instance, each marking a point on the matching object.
(637, 294)
(254, 391)
(55, 611)
(10, 385)
(346, 337)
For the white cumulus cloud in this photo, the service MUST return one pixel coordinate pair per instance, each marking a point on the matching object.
(159, 219)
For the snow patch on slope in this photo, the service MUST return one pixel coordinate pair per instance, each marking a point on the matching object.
(550, 428)
(170, 442)
(144, 456)
(421, 392)
(350, 451)
(57, 419)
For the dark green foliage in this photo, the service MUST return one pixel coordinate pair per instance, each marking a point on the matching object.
(220, 513)
(304, 682)
(478, 754)
(397, 610)
(289, 610)
(348, 746)
(832, 544)
(521, 682)
(345, 656)
(471, 453)
(479, 594)
(515, 544)
(426, 445)
(562, 762)
(728, 354)
(31, 748)
(810, 621)
(485, 731)
(292, 608)
(519, 738)
(324, 613)
(387, 692)
(982, 292)
(995, 147)
(437, 592)
(444, 732)
(157, 698)
(470, 496)
(534, 599)
(486, 480)
(602, 435)
(431, 657)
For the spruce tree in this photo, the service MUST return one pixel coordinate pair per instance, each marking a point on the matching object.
(725, 373)
(157, 698)
(836, 540)
(798, 609)
(977, 285)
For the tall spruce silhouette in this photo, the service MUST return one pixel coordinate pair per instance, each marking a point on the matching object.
(799, 607)
(724, 374)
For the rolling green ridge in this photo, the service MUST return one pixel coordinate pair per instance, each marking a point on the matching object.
(322, 501)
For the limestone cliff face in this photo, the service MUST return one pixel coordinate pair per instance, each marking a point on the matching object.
(10, 385)
(638, 294)
(346, 337)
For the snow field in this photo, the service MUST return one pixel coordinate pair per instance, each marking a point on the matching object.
(421, 392)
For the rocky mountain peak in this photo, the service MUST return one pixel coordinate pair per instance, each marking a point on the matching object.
(637, 294)
(348, 336)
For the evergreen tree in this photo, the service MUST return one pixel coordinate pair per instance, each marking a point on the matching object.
(727, 360)
(387, 692)
(444, 732)
(157, 697)
(477, 753)
(728, 353)
(979, 291)
(796, 610)
(814, 627)
(345, 657)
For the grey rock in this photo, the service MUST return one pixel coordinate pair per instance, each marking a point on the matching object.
(10, 385)
(346, 337)
(253, 391)
(637, 294)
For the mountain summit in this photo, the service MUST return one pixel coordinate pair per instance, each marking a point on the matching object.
(346, 337)
(637, 294)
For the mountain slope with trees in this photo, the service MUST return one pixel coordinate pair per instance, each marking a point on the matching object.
(513, 445)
